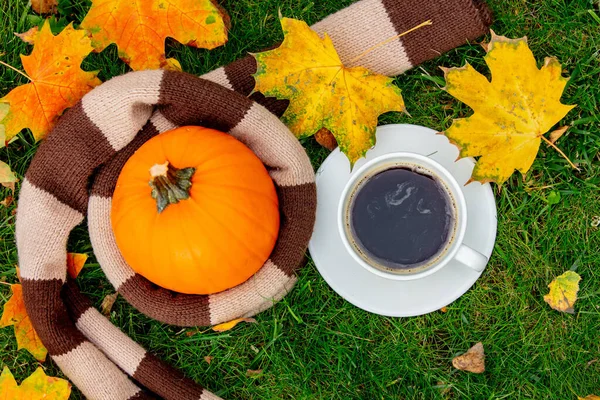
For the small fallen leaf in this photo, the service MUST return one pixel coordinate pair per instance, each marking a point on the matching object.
(254, 373)
(75, 263)
(44, 6)
(15, 314)
(29, 36)
(595, 221)
(225, 326)
(512, 112)
(7, 177)
(36, 386)
(589, 397)
(107, 303)
(323, 93)
(208, 359)
(472, 361)
(563, 292)
(57, 82)
(557, 133)
(444, 309)
(326, 139)
(7, 201)
(554, 197)
(140, 27)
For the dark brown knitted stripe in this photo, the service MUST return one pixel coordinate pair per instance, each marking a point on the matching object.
(188, 100)
(106, 178)
(165, 305)
(454, 23)
(76, 303)
(142, 395)
(151, 370)
(49, 316)
(239, 73)
(296, 225)
(166, 381)
(58, 172)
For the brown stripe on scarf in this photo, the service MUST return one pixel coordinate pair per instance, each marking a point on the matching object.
(58, 172)
(454, 23)
(188, 100)
(49, 316)
(106, 178)
(165, 305)
(152, 372)
(296, 225)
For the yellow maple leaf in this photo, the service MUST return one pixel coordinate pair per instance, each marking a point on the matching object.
(563, 292)
(36, 386)
(225, 326)
(75, 262)
(15, 314)
(57, 82)
(323, 93)
(512, 112)
(7, 177)
(140, 27)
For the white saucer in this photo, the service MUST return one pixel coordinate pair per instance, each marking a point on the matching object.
(384, 296)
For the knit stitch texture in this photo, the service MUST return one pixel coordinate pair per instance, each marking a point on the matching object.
(97, 136)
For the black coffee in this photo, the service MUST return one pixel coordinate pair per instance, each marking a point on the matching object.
(401, 218)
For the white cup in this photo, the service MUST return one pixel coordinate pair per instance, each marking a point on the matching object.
(454, 249)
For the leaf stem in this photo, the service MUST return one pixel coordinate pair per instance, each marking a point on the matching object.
(560, 152)
(16, 70)
(386, 41)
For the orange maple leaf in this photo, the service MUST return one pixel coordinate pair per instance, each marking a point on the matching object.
(57, 82)
(75, 262)
(16, 314)
(139, 28)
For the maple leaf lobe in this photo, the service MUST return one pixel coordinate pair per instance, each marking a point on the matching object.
(511, 112)
(323, 93)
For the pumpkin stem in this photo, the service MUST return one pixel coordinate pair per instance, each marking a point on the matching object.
(169, 184)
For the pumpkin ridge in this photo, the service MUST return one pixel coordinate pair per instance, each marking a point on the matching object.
(239, 211)
(249, 189)
(226, 228)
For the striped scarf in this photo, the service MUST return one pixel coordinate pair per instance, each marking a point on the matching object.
(97, 136)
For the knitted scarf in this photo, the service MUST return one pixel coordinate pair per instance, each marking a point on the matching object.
(75, 169)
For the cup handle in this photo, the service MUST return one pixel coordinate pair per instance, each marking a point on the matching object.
(471, 258)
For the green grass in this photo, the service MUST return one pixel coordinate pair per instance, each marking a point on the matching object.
(313, 344)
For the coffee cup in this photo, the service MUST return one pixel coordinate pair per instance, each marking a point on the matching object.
(403, 216)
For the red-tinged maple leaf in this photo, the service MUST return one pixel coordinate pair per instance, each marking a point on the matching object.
(15, 314)
(56, 81)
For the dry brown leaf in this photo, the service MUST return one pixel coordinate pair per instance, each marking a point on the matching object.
(225, 326)
(326, 139)
(472, 361)
(107, 304)
(557, 133)
(44, 6)
(589, 397)
(7, 201)
(254, 373)
(208, 359)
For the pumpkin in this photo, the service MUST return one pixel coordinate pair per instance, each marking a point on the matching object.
(195, 211)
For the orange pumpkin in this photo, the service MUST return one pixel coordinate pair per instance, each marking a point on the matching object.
(195, 211)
